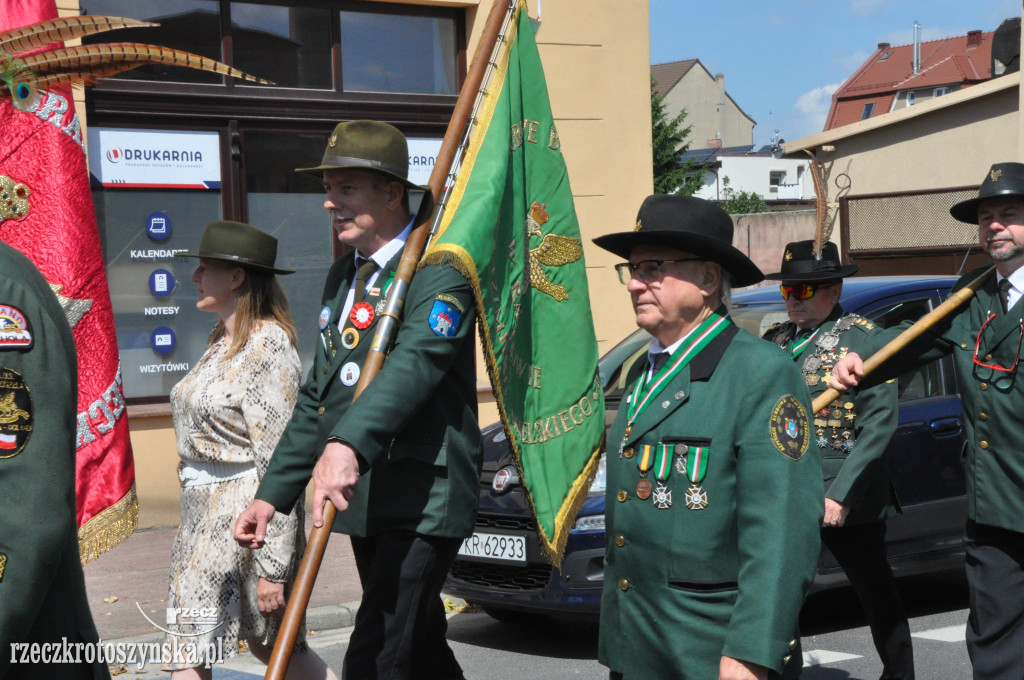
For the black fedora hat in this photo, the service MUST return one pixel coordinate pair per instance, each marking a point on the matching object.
(799, 263)
(240, 243)
(1003, 179)
(367, 145)
(685, 223)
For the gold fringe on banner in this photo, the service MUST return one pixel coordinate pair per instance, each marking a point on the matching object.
(109, 528)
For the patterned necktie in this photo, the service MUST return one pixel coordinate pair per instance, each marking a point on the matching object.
(1004, 293)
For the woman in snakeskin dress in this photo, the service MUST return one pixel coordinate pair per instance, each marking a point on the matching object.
(229, 412)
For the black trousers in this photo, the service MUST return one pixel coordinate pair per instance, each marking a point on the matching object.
(995, 580)
(860, 551)
(400, 627)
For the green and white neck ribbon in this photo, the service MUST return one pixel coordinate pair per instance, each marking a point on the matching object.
(648, 387)
(798, 349)
(696, 463)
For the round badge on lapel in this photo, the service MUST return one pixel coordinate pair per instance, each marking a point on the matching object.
(350, 338)
(349, 374)
(361, 315)
(325, 317)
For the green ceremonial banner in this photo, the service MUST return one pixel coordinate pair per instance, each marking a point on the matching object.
(511, 228)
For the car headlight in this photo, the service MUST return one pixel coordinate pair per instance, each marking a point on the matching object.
(590, 523)
(600, 477)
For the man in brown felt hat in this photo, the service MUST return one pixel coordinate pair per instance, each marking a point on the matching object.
(984, 337)
(402, 463)
(714, 489)
(851, 435)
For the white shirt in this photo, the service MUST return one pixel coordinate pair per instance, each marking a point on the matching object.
(381, 257)
(655, 349)
(1016, 285)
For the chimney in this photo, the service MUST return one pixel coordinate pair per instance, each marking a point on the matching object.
(917, 48)
(883, 46)
(973, 38)
(721, 117)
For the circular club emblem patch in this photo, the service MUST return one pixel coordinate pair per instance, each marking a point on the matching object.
(15, 413)
(790, 431)
(349, 374)
(350, 338)
(361, 315)
(325, 317)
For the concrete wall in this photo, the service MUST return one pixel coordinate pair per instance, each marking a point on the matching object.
(763, 236)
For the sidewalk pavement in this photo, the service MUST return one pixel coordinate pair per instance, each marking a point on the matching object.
(134, 576)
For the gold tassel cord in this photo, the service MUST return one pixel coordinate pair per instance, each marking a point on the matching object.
(46, 33)
(127, 56)
(109, 528)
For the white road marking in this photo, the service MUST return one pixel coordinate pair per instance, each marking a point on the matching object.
(947, 634)
(819, 657)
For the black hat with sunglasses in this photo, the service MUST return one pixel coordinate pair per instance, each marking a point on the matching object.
(689, 224)
(799, 264)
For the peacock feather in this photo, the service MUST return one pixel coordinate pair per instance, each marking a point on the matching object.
(25, 69)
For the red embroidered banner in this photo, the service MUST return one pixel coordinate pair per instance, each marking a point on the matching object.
(42, 148)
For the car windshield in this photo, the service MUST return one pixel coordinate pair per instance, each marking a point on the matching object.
(758, 317)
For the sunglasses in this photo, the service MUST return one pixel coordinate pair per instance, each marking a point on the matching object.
(802, 291)
(997, 367)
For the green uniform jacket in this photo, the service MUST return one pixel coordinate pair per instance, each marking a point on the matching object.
(42, 587)
(683, 587)
(852, 453)
(414, 427)
(992, 400)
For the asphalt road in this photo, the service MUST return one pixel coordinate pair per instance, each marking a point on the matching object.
(837, 644)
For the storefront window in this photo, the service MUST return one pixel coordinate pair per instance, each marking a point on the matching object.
(290, 206)
(160, 333)
(398, 53)
(290, 46)
(189, 25)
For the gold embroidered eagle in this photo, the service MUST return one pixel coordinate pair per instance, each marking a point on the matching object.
(553, 251)
(22, 76)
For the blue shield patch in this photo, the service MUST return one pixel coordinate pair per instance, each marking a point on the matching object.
(444, 319)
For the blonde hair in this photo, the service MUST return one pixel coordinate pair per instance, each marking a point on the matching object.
(260, 298)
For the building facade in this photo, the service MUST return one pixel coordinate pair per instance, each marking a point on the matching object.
(171, 149)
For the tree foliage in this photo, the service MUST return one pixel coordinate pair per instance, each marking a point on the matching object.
(669, 143)
(741, 202)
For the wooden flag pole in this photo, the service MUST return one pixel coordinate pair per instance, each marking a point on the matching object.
(913, 333)
(458, 129)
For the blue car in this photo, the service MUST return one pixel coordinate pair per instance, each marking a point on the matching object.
(503, 570)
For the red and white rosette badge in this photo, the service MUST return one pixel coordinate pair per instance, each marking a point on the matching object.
(361, 315)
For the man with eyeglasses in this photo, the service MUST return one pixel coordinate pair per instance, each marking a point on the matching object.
(712, 506)
(851, 434)
(984, 338)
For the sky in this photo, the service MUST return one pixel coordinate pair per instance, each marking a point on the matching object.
(783, 60)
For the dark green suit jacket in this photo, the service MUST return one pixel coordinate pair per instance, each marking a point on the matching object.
(852, 454)
(414, 427)
(682, 586)
(42, 587)
(992, 399)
